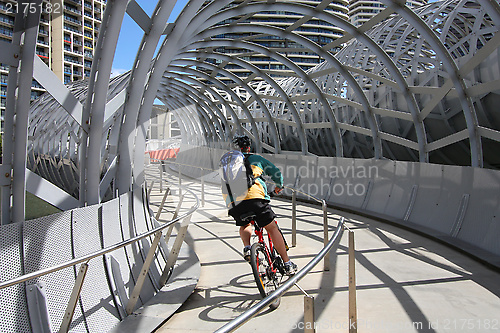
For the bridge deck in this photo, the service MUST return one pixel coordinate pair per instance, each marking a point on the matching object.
(405, 282)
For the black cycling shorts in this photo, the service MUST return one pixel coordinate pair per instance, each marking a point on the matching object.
(263, 212)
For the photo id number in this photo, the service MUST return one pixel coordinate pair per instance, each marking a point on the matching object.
(31, 8)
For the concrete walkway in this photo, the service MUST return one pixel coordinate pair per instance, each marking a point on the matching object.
(405, 282)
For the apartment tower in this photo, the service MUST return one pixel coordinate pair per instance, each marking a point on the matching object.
(67, 36)
(314, 29)
(361, 11)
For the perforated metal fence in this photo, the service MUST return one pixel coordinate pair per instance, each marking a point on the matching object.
(40, 271)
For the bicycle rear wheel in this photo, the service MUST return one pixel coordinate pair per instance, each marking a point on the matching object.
(266, 279)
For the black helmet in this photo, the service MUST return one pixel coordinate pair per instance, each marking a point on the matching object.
(242, 141)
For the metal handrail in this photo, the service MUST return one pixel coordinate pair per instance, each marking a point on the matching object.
(324, 206)
(108, 249)
(210, 169)
(323, 254)
(254, 310)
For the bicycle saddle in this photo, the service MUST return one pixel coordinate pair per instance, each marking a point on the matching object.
(248, 216)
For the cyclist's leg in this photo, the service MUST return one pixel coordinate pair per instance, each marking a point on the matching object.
(266, 218)
(278, 241)
(246, 234)
(245, 227)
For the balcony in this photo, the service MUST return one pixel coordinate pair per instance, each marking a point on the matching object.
(72, 60)
(42, 54)
(71, 28)
(6, 32)
(72, 20)
(76, 2)
(72, 10)
(7, 20)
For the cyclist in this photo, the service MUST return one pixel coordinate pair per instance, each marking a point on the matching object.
(257, 201)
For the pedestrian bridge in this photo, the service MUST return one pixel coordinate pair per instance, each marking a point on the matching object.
(405, 281)
(398, 123)
(428, 284)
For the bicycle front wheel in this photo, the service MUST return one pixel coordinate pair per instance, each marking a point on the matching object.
(265, 278)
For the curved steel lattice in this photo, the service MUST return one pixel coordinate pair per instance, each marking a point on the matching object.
(417, 85)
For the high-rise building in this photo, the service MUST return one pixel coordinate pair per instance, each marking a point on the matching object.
(360, 11)
(67, 36)
(314, 29)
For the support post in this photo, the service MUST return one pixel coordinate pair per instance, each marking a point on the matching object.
(202, 189)
(144, 272)
(172, 258)
(353, 318)
(180, 180)
(294, 218)
(176, 213)
(150, 189)
(161, 176)
(309, 314)
(73, 300)
(158, 213)
(325, 235)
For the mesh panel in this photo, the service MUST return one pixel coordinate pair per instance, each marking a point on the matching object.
(140, 221)
(111, 235)
(86, 238)
(128, 231)
(14, 312)
(47, 242)
(97, 301)
(148, 290)
(154, 270)
(161, 254)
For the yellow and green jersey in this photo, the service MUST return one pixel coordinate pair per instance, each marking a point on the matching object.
(260, 167)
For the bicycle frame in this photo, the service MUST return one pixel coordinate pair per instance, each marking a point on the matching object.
(269, 250)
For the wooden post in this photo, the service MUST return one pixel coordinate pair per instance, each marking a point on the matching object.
(180, 180)
(309, 314)
(161, 176)
(294, 218)
(325, 235)
(158, 213)
(134, 296)
(353, 318)
(202, 188)
(73, 301)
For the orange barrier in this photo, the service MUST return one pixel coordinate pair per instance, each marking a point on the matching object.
(163, 154)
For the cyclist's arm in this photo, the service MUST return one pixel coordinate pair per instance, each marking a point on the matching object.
(272, 171)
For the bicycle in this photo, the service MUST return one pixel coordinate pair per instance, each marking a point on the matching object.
(267, 266)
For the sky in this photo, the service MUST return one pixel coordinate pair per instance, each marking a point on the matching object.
(131, 35)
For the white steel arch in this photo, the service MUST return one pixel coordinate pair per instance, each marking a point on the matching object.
(418, 85)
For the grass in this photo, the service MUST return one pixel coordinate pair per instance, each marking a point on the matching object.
(36, 207)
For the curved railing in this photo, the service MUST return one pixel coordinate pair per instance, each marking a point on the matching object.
(440, 201)
(254, 310)
(154, 247)
(329, 244)
(106, 250)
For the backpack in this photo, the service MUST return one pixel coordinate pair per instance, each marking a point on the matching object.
(236, 174)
